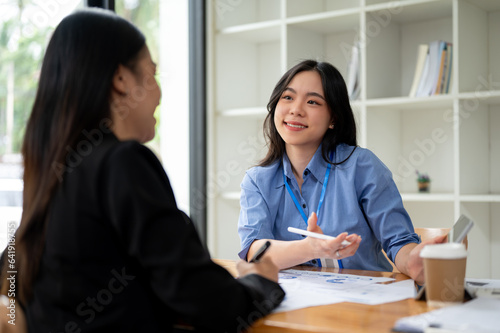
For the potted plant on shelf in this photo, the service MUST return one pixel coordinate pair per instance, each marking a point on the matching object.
(423, 182)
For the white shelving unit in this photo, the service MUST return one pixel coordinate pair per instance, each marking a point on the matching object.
(454, 137)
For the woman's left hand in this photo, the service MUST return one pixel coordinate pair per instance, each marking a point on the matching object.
(414, 265)
(331, 248)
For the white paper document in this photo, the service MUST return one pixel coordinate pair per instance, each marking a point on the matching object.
(478, 315)
(483, 287)
(307, 288)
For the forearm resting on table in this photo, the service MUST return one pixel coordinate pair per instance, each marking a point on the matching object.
(407, 265)
(284, 254)
(408, 259)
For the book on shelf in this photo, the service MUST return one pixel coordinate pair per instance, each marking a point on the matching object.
(353, 84)
(440, 55)
(448, 72)
(433, 69)
(423, 76)
(437, 88)
(445, 70)
(423, 50)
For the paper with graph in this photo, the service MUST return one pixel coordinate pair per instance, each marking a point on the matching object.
(309, 288)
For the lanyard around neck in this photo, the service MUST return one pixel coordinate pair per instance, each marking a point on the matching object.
(321, 198)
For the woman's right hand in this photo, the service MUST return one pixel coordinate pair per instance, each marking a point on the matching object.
(265, 267)
(333, 248)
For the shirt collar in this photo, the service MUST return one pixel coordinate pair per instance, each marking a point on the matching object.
(317, 166)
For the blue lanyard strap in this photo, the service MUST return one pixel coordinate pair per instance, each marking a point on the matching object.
(321, 198)
(295, 201)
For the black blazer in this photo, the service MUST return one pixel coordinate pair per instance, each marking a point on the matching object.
(121, 257)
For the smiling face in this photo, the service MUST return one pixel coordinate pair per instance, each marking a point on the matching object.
(139, 95)
(302, 115)
(146, 95)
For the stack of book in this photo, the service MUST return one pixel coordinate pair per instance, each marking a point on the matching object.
(433, 70)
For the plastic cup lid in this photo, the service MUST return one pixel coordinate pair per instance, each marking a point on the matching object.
(444, 251)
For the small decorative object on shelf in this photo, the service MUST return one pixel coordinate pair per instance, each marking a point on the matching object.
(423, 182)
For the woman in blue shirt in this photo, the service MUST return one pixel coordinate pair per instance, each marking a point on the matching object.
(315, 177)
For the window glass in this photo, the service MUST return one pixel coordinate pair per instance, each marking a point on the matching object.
(25, 27)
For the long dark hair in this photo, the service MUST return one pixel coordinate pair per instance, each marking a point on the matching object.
(337, 99)
(73, 96)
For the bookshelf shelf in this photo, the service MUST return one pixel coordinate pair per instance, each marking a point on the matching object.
(412, 103)
(240, 112)
(320, 7)
(489, 97)
(454, 137)
(414, 11)
(256, 32)
(480, 198)
(428, 197)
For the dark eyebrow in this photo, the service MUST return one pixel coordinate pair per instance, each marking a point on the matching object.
(315, 94)
(312, 93)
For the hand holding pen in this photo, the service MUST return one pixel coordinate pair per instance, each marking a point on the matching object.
(260, 252)
(325, 246)
(259, 264)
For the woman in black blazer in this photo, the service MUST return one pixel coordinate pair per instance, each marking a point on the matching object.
(102, 245)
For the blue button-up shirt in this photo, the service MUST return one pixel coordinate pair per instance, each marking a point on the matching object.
(361, 197)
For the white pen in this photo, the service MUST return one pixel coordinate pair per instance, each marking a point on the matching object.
(315, 235)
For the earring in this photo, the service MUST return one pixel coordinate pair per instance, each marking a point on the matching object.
(331, 126)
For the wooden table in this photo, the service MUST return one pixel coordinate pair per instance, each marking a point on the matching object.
(339, 317)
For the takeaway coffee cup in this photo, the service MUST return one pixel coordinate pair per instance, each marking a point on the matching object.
(444, 270)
